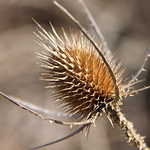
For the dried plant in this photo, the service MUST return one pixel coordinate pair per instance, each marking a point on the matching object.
(86, 79)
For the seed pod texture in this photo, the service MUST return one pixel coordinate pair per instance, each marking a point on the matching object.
(76, 73)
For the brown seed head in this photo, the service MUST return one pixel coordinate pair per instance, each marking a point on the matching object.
(77, 74)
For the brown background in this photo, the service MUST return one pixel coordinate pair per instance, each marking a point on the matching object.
(126, 27)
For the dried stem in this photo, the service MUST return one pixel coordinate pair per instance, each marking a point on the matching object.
(127, 127)
(45, 117)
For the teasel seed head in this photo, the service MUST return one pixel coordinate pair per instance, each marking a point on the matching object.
(76, 73)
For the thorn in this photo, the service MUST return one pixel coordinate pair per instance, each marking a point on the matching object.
(51, 121)
(144, 69)
(110, 121)
(94, 124)
(147, 87)
(101, 114)
(71, 126)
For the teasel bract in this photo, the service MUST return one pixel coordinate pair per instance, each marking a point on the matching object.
(86, 79)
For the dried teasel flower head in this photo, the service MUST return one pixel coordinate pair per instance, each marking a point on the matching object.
(77, 74)
(82, 80)
(86, 79)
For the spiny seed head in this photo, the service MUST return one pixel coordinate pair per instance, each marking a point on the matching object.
(78, 75)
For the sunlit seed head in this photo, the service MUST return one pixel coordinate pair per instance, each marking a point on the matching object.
(77, 74)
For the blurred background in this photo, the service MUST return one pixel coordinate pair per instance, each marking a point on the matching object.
(126, 27)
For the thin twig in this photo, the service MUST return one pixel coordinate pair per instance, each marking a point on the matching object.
(141, 68)
(47, 118)
(61, 139)
(40, 109)
(95, 26)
